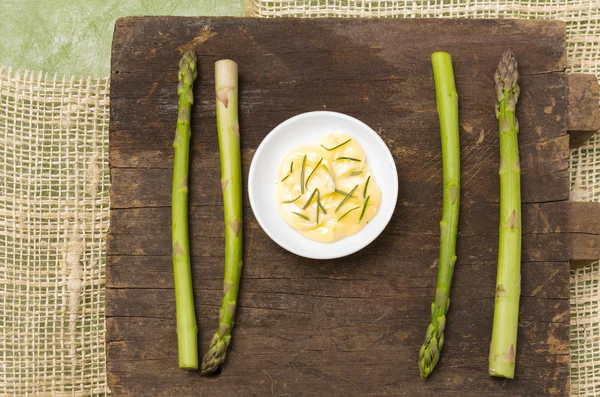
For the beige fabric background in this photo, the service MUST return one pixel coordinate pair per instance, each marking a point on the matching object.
(54, 199)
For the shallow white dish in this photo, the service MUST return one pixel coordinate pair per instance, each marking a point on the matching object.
(308, 128)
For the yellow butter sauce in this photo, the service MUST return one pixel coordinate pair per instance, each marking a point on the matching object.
(327, 191)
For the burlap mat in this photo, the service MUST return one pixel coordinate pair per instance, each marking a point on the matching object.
(54, 203)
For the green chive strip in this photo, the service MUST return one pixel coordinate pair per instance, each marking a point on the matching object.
(342, 217)
(317, 214)
(290, 201)
(302, 216)
(343, 193)
(355, 173)
(364, 209)
(366, 186)
(291, 170)
(346, 198)
(319, 203)
(335, 147)
(313, 171)
(310, 199)
(347, 158)
(327, 169)
(302, 174)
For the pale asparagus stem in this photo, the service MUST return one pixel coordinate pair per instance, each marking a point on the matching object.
(508, 280)
(187, 329)
(226, 88)
(447, 104)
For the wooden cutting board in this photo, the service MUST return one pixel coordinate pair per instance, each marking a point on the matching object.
(353, 326)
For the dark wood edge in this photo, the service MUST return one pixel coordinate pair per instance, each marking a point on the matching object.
(583, 113)
(584, 232)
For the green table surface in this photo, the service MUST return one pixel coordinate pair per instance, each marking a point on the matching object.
(73, 37)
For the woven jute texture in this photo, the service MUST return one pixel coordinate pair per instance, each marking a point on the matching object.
(54, 201)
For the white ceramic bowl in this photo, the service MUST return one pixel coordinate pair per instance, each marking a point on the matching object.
(308, 128)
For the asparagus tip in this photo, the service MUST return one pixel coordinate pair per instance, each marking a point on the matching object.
(216, 354)
(188, 70)
(507, 75)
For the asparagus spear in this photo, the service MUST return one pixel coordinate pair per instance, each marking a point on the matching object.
(508, 280)
(226, 87)
(447, 104)
(187, 330)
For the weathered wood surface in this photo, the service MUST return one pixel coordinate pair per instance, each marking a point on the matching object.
(583, 117)
(348, 327)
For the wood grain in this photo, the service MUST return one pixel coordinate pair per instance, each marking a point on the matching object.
(353, 326)
(583, 115)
